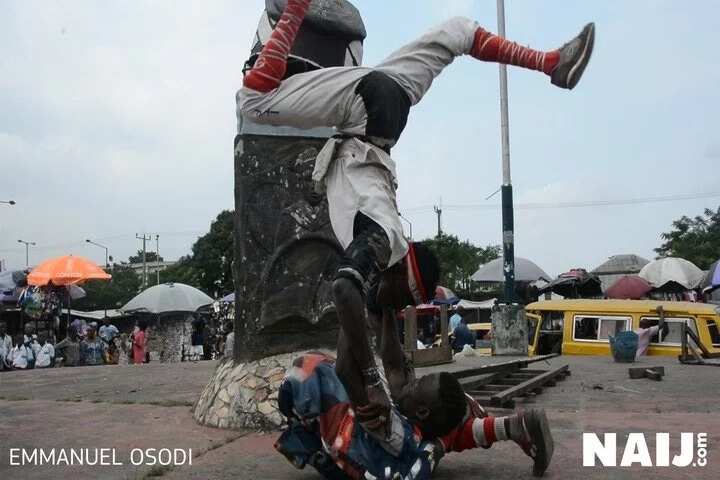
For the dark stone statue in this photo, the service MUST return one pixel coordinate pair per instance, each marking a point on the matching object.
(285, 252)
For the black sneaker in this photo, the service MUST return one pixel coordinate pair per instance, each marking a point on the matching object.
(537, 442)
(574, 57)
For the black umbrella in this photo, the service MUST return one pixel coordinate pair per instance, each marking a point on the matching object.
(576, 283)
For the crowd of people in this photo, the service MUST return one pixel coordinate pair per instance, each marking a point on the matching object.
(85, 344)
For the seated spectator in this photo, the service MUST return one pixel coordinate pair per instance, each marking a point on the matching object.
(45, 355)
(21, 356)
(69, 349)
(6, 346)
(92, 349)
(463, 336)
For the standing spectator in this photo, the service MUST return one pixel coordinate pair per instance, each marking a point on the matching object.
(21, 356)
(456, 318)
(229, 342)
(463, 336)
(108, 331)
(139, 343)
(69, 349)
(45, 356)
(122, 347)
(92, 349)
(6, 346)
(197, 338)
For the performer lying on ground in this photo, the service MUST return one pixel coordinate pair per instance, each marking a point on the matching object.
(369, 109)
(434, 417)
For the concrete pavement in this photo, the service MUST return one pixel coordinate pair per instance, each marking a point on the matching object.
(145, 407)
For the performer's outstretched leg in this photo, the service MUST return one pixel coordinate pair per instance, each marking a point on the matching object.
(270, 67)
(528, 429)
(417, 64)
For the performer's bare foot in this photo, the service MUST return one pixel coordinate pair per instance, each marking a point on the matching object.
(574, 57)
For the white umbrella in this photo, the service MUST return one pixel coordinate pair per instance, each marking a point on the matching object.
(525, 271)
(168, 297)
(671, 269)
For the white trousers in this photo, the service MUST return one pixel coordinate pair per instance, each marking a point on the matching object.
(326, 97)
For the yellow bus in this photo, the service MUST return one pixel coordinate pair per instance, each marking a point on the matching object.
(583, 326)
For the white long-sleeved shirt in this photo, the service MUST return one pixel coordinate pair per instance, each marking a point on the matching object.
(20, 355)
(45, 355)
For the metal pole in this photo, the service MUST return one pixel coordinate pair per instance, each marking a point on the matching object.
(507, 195)
(157, 257)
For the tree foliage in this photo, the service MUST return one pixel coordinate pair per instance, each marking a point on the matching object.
(115, 293)
(209, 266)
(696, 239)
(459, 260)
(150, 257)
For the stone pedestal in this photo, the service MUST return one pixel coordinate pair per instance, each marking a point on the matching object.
(244, 394)
(510, 330)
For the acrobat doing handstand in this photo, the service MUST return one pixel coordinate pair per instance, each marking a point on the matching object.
(369, 107)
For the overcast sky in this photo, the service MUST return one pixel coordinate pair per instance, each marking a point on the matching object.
(118, 118)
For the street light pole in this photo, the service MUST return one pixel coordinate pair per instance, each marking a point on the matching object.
(106, 263)
(508, 222)
(27, 251)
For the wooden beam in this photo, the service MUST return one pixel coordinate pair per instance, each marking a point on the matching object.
(501, 398)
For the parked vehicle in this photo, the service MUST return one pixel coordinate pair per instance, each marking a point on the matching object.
(583, 326)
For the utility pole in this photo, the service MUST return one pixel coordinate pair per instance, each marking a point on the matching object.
(508, 222)
(144, 239)
(438, 211)
(157, 257)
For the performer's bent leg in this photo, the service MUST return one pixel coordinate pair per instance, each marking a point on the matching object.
(417, 64)
(528, 429)
(364, 257)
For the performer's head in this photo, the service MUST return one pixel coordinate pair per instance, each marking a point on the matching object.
(436, 403)
(412, 281)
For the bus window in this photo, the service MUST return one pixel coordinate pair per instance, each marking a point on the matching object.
(591, 328)
(714, 332)
(672, 333)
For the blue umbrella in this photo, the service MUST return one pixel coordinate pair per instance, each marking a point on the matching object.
(711, 280)
(229, 298)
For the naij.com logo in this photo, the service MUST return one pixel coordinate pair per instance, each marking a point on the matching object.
(693, 451)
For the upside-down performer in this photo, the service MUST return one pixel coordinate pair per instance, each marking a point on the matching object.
(433, 417)
(369, 108)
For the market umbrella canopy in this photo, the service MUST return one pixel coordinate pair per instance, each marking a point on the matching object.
(229, 298)
(168, 297)
(629, 287)
(525, 271)
(576, 283)
(444, 296)
(66, 270)
(666, 271)
(711, 280)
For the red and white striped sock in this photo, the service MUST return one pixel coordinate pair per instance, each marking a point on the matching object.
(489, 430)
(271, 65)
(491, 48)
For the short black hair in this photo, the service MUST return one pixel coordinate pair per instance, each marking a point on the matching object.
(447, 409)
(429, 267)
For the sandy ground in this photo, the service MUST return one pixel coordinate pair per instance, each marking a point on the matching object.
(126, 408)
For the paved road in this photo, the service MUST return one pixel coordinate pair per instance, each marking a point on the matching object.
(122, 408)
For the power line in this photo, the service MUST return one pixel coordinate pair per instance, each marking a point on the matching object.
(575, 204)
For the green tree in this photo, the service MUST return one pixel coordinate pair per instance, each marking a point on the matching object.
(459, 260)
(696, 239)
(115, 293)
(149, 257)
